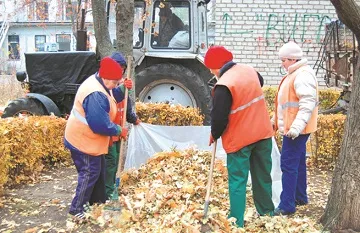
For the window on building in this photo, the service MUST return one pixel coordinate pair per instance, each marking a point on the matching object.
(40, 43)
(42, 11)
(64, 41)
(13, 47)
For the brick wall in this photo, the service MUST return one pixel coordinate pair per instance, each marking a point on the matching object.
(254, 30)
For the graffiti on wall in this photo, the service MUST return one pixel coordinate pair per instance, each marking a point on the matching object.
(282, 28)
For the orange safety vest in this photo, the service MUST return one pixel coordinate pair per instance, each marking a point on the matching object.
(118, 120)
(290, 104)
(77, 131)
(249, 120)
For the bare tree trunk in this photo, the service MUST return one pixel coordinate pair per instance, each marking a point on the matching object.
(124, 44)
(103, 43)
(343, 207)
(124, 26)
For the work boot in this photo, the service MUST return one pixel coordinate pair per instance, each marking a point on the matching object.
(300, 203)
(77, 218)
(278, 212)
(87, 207)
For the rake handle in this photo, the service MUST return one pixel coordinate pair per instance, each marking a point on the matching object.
(122, 141)
(209, 181)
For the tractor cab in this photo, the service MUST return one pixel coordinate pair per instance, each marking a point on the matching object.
(166, 28)
(169, 41)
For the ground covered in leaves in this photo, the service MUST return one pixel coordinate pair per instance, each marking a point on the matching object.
(165, 195)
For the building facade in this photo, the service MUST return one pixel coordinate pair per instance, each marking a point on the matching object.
(253, 30)
(37, 26)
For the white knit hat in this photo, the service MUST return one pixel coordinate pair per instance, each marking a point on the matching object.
(290, 50)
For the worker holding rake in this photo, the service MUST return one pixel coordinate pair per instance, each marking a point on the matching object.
(88, 131)
(112, 157)
(240, 117)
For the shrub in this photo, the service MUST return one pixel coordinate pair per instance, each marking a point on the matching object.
(165, 114)
(327, 97)
(28, 144)
(325, 143)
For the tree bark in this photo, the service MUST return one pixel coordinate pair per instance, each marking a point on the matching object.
(104, 46)
(343, 207)
(124, 44)
(124, 26)
(348, 12)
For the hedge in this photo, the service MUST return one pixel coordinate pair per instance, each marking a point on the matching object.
(29, 144)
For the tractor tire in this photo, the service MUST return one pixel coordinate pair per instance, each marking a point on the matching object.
(173, 83)
(28, 106)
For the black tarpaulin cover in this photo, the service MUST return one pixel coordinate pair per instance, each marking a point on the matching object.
(48, 72)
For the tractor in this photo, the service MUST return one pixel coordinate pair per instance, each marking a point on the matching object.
(169, 44)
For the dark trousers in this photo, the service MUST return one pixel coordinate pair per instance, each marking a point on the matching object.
(91, 180)
(112, 163)
(256, 158)
(293, 167)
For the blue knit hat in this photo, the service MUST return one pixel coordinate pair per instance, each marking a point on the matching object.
(119, 58)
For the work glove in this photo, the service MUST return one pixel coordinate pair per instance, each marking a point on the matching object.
(137, 121)
(128, 83)
(124, 132)
(293, 133)
(211, 141)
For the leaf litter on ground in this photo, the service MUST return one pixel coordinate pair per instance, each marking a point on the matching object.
(167, 195)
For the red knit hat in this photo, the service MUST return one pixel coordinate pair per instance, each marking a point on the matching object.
(217, 56)
(110, 69)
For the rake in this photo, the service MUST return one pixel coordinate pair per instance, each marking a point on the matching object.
(115, 195)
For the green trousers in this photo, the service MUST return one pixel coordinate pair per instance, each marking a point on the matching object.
(256, 158)
(111, 166)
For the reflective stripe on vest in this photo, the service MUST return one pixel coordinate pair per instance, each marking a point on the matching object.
(290, 105)
(249, 120)
(78, 116)
(294, 105)
(242, 107)
(288, 99)
(77, 131)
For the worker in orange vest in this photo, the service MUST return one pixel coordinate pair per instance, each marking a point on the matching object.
(240, 117)
(88, 131)
(295, 117)
(112, 157)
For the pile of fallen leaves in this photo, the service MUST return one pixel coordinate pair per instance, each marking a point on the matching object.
(167, 195)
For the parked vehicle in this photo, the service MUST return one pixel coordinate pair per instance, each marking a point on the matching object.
(51, 79)
(169, 44)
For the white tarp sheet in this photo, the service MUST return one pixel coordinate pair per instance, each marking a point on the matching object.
(145, 140)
